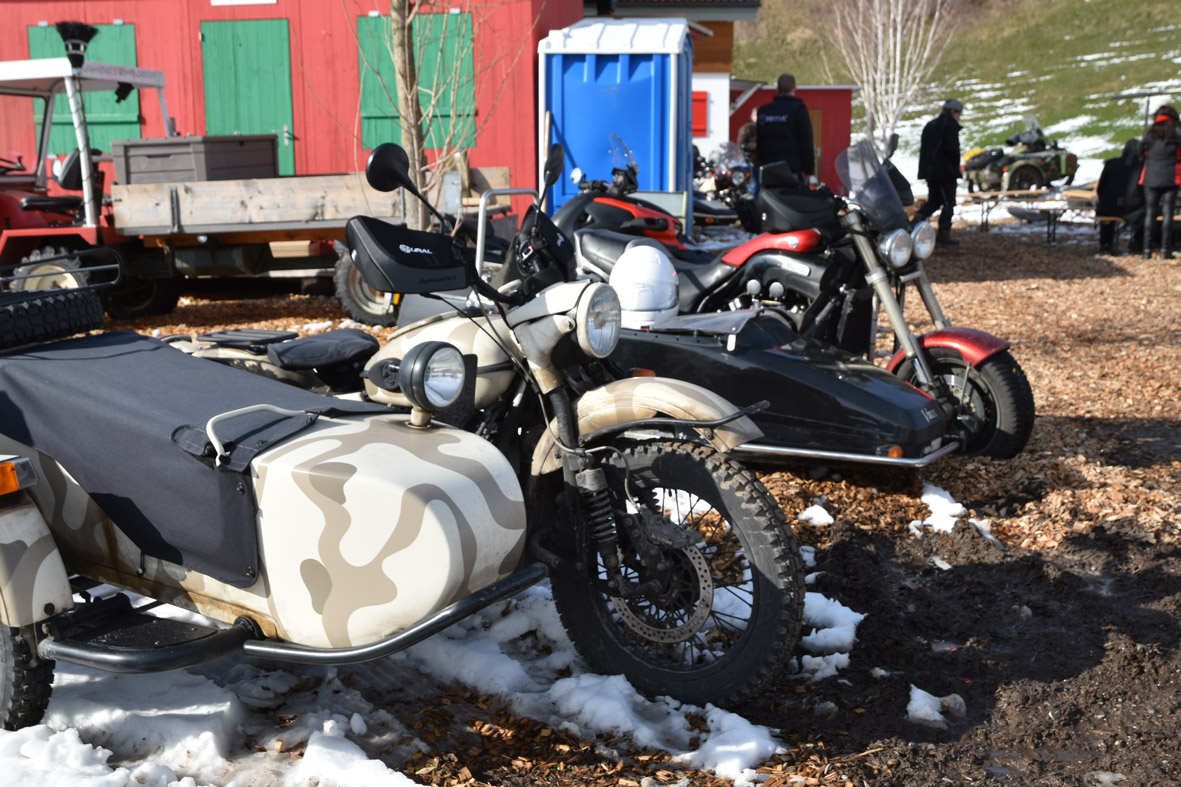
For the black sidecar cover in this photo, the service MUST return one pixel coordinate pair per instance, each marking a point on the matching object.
(125, 415)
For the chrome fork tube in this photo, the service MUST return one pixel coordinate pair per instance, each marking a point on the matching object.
(927, 293)
(879, 279)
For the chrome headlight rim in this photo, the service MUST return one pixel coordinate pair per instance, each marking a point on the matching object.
(894, 247)
(432, 375)
(599, 318)
(737, 177)
(922, 240)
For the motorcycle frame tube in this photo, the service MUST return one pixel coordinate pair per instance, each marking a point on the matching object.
(469, 605)
(879, 279)
(974, 346)
(759, 451)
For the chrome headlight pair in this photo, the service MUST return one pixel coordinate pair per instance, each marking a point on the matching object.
(599, 319)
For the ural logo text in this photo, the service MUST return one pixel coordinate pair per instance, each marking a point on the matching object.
(413, 249)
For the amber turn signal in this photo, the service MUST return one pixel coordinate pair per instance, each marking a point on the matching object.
(643, 373)
(9, 483)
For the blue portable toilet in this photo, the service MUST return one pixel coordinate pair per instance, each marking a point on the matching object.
(628, 76)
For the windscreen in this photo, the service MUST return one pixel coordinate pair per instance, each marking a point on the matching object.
(870, 187)
(621, 155)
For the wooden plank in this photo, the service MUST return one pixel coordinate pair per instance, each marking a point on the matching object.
(325, 200)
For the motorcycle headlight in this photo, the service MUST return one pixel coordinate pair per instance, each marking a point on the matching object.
(432, 375)
(599, 319)
(922, 240)
(895, 248)
(737, 177)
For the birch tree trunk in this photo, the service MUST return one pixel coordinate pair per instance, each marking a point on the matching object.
(402, 50)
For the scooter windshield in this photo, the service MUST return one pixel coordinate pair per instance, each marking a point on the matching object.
(870, 187)
(621, 155)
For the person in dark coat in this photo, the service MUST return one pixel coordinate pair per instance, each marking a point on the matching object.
(939, 165)
(784, 132)
(748, 143)
(1161, 177)
(1119, 194)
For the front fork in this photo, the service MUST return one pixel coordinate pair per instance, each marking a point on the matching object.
(877, 277)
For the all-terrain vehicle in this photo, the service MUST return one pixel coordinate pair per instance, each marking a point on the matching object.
(1032, 162)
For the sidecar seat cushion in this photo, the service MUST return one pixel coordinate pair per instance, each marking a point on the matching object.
(346, 346)
(124, 414)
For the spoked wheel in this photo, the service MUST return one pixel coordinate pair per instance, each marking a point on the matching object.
(360, 301)
(25, 681)
(722, 604)
(993, 401)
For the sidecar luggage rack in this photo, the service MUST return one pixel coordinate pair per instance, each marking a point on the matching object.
(87, 276)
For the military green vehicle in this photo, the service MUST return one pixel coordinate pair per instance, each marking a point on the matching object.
(1032, 162)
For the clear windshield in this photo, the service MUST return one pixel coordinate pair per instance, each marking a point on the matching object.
(727, 154)
(621, 155)
(870, 187)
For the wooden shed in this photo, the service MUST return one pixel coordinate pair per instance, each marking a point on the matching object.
(317, 74)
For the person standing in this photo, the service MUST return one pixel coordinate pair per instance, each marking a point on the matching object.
(784, 132)
(939, 165)
(1161, 177)
(1119, 194)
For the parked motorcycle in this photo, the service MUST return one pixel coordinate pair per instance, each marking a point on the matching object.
(831, 264)
(614, 206)
(727, 177)
(669, 561)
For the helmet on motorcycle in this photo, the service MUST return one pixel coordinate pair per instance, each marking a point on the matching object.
(646, 282)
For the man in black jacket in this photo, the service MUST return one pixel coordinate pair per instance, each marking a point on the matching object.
(784, 130)
(939, 165)
(1119, 194)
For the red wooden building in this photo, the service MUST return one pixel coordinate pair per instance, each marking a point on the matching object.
(295, 68)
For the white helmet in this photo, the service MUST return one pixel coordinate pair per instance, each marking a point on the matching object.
(646, 282)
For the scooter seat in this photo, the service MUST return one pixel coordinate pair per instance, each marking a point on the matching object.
(347, 346)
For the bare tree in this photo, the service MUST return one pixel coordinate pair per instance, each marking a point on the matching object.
(437, 91)
(890, 48)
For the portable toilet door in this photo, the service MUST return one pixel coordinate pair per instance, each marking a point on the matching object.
(630, 76)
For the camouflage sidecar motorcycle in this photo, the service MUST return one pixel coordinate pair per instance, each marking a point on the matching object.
(321, 530)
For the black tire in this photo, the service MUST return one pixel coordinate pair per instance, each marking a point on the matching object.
(1025, 179)
(60, 274)
(708, 655)
(360, 301)
(997, 396)
(24, 685)
(133, 298)
(31, 318)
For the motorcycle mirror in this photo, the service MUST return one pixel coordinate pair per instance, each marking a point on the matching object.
(388, 168)
(555, 161)
(892, 145)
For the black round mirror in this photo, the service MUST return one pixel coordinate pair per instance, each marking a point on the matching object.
(388, 168)
(555, 161)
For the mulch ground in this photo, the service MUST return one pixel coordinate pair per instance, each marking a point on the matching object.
(1066, 634)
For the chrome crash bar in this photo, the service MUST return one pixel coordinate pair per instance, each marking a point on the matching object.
(756, 451)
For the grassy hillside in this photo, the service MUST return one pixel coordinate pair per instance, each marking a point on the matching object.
(1061, 60)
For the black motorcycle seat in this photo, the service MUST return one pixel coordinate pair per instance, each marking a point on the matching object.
(603, 247)
(695, 279)
(252, 340)
(346, 346)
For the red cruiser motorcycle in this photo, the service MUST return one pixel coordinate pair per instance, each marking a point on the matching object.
(830, 264)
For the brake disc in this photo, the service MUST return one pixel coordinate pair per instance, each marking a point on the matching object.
(695, 563)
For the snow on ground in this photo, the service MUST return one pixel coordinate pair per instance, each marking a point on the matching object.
(238, 722)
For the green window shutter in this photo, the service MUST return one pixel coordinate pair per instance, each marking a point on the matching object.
(380, 121)
(443, 46)
(106, 119)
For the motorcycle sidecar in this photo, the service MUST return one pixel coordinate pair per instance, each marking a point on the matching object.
(825, 404)
(315, 529)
